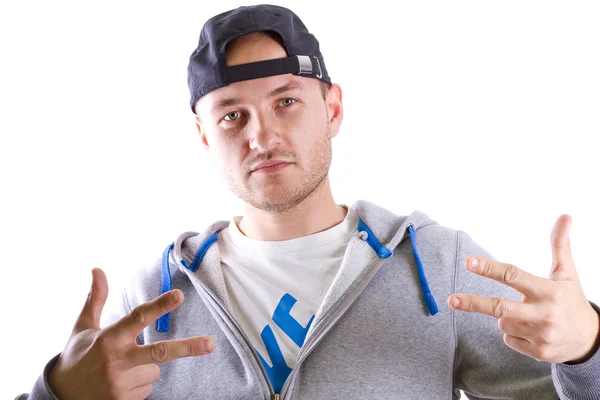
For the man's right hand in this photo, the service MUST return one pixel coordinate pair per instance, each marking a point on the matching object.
(108, 363)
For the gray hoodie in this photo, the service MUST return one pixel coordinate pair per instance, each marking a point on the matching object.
(383, 331)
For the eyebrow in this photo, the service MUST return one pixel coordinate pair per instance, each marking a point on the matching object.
(286, 88)
(232, 101)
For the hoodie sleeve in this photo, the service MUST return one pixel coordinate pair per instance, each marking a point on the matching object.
(579, 381)
(486, 368)
(114, 309)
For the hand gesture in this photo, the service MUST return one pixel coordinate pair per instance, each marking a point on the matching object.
(107, 363)
(554, 322)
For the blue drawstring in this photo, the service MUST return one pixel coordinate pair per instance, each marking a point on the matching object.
(163, 321)
(427, 296)
(384, 252)
(162, 324)
(201, 252)
(381, 251)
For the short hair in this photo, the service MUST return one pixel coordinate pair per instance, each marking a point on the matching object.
(324, 89)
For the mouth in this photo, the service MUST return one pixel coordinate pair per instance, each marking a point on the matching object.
(272, 167)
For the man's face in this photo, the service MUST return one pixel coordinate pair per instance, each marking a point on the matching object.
(281, 118)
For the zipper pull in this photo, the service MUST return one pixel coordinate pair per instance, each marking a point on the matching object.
(276, 396)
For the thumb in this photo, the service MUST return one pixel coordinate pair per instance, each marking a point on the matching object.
(563, 266)
(89, 318)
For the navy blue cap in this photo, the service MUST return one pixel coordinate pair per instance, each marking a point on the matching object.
(208, 70)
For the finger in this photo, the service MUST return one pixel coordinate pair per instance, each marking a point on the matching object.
(563, 266)
(142, 375)
(496, 307)
(140, 392)
(144, 314)
(517, 328)
(521, 345)
(89, 318)
(508, 274)
(169, 350)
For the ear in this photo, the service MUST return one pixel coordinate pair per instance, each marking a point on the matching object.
(202, 133)
(335, 109)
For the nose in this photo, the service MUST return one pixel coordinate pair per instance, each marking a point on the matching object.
(264, 134)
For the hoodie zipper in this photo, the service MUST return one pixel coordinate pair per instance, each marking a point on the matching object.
(318, 334)
(274, 396)
(328, 321)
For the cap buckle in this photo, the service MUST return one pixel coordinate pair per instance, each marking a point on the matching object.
(306, 67)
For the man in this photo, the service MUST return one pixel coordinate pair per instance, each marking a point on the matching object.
(303, 298)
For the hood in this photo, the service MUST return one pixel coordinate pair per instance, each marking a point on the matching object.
(381, 229)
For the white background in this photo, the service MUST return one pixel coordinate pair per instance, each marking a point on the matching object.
(484, 115)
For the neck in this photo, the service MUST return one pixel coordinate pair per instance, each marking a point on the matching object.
(317, 213)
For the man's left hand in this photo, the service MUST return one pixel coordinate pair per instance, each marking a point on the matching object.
(555, 322)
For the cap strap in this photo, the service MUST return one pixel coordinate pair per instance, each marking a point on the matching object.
(298, 65)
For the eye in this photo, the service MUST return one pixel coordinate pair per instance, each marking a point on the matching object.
(286, 102)
(232, 116)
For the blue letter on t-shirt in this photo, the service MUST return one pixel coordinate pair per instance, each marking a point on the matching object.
(287, 323)
(279, 372)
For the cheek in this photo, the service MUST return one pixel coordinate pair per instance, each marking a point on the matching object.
(309, 132)
(228, 155)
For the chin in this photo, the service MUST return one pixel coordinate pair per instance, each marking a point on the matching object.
(272, 203)
(279, 200)
(277, 196)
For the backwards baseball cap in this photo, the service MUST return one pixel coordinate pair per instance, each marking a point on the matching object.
(208, 70)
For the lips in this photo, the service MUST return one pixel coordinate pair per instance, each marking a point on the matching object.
(269, 165)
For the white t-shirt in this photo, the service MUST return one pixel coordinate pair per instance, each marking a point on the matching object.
(276, 287)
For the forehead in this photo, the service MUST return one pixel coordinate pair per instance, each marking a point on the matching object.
(254, 90)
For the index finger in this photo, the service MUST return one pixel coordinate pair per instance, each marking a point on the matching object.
(530, 285)
(141, 316)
